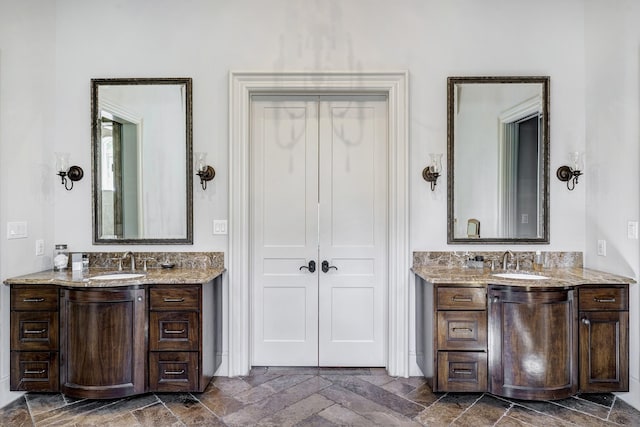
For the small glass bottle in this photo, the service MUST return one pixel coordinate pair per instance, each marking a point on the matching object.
(60, 257)
(538, 261)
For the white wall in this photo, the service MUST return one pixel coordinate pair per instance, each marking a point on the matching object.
(49, 51)
(27, 117)
(612, 39)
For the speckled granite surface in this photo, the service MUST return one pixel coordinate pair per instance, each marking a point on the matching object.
(78, 279)
(190, 268)
(562, 269)
(557, 277)
(459, 258)
(154, 259)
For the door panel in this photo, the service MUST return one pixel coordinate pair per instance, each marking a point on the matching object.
(285, 221)
(353, 199)
(319, 193)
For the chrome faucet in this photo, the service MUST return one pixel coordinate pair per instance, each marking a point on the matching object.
(133, 259)
(505, 259)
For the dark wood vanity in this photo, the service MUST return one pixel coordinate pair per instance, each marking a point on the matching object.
(526, 342)
(111, 342)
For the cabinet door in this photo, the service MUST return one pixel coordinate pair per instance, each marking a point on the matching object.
(103, 345)
(173, 371)
(604, 351)
(174, 331)
(532, 344)
(34, 371)
(34, 331)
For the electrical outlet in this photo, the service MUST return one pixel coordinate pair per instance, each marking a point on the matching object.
(602, 247)
(632, 230)
(39, 247)
(525, 219)
(219, 226)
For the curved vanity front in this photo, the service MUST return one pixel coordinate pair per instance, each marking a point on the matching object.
(543, 339)
(103, 339)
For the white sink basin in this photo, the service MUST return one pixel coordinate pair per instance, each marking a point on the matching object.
(118, 276)
(524, 276)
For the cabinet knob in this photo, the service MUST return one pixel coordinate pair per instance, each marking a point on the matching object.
(496, 299)
(586, 321)
(139, 299)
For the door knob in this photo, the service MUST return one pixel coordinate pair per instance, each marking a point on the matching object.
(326, 267)
(311, 267)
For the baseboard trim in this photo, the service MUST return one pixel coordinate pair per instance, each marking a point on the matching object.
(633, 396)
(7, 396)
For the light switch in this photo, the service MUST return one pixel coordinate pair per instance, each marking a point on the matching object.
(632, 230)
(602, 247)
(17, 230)
(219, 226)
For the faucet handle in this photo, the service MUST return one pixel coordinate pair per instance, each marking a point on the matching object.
(119, 262)
(144, 262)
(517, 263)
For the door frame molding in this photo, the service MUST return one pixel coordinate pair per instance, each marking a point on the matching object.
(242, 85)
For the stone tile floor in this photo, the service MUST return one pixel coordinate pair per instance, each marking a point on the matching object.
(317, 397)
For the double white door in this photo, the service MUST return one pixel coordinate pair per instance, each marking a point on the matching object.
(319, 230)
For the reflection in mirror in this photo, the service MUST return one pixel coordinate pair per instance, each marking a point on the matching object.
(142, 161)
(498, 149)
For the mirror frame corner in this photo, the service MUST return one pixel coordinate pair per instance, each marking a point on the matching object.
(451, 84)
(95, 159)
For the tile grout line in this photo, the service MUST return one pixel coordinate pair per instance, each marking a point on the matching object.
(504, 415)
(167, 408)
(611, 408)
(468, 408)
(545, 414)
(581, 412)
(206, 407)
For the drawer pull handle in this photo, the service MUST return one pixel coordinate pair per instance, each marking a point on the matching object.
(33, 300)
(173, 331)
(180, 372)
(35, 331)
(606, 299)
(174, 300)
(463, 371)
(28, 372)
(460, 298)
(462, 329)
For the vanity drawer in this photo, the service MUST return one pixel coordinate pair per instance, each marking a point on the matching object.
(461, 298)
(462, 371)
(462, 330)
(34, 298)
(33, 331)
(604, 298)
(34, 371)
(175, 298)
(173, 371)
(173, 331)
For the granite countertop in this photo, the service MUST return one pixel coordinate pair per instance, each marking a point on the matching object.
(79, 279)
(557, 277)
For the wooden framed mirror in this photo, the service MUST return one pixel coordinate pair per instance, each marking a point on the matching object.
(142, 161)
(498, 159)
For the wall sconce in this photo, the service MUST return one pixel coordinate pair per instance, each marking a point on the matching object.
(67, 173)
(432, 172)
(570, 175)
(204, 171)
